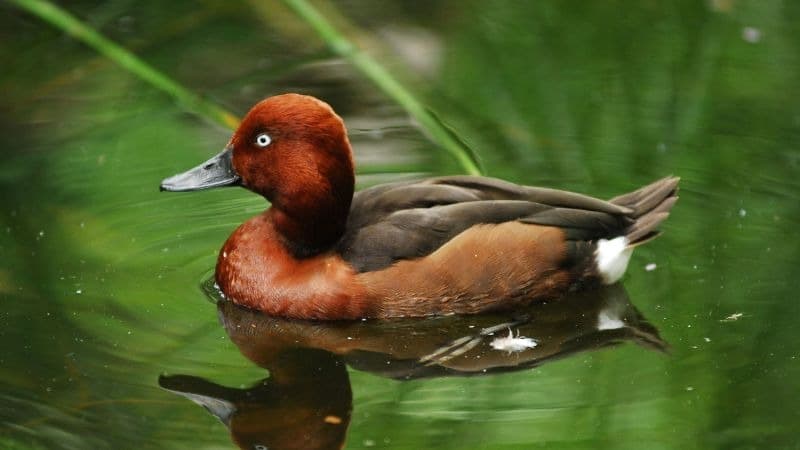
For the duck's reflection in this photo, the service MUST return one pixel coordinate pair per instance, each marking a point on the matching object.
(306, 401)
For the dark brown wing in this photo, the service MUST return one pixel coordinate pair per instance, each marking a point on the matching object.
(408, 220)
(412, 219)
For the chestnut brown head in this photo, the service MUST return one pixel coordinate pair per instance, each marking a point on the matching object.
(289, 148)
(293, 150)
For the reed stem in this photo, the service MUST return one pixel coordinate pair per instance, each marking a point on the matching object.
(340, 45)
(68, 23)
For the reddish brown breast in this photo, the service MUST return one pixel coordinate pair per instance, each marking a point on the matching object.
(255, 270)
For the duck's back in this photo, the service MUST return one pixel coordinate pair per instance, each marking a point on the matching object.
(474, 231)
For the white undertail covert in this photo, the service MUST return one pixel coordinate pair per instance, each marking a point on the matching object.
(611, 258)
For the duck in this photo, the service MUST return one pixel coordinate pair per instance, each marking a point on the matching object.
(438, 246)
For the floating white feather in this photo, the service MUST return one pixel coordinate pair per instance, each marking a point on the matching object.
(513, 344)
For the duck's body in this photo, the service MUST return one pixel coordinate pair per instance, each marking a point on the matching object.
(449, 245)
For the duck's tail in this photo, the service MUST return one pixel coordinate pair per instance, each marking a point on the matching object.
(649, 207)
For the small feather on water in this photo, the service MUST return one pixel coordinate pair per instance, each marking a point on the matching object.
(512, 344)
(733, 317)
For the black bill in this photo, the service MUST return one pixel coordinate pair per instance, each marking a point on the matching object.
(216, 172)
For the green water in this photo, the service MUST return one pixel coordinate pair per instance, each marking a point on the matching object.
(101, 275)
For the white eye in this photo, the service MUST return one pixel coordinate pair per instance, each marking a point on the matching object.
(263, 140)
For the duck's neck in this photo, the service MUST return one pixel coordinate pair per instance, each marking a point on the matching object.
(313, 226)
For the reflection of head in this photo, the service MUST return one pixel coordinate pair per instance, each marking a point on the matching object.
(305, 404)
(300, 427)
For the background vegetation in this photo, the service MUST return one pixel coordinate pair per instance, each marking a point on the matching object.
(99, 272)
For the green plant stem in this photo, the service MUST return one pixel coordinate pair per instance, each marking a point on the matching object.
(64, 21)
(340, 45)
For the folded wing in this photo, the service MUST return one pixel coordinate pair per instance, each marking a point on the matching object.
(409, 220)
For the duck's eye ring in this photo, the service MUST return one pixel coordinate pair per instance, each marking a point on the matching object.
(263, 140)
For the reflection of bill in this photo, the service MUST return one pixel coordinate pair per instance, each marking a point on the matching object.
(306, 402)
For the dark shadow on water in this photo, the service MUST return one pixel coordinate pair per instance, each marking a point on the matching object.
(306, 402)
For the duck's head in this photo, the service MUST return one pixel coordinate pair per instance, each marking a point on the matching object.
(293, 150)
(288, 148)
